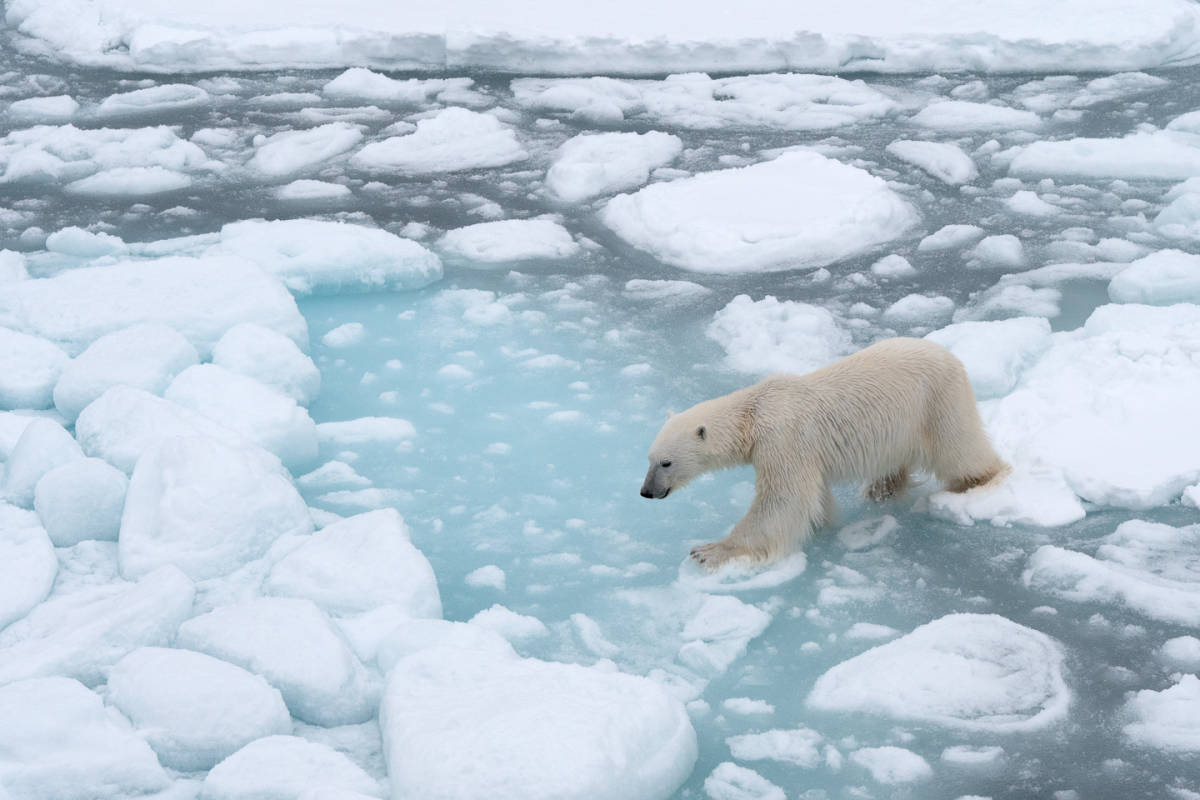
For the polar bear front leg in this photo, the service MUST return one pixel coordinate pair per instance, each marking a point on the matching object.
(774, 527)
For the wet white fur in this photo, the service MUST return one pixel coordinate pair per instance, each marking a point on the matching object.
(897, 406)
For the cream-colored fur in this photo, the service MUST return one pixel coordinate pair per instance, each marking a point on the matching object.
(898, 406)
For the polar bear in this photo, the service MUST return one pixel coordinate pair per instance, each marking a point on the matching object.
(898, 406)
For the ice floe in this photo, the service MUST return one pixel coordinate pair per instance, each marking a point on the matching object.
(288, 766)
(27, 563)
(30, 366)
(593, 164)
(945, 161)
(495, 244)
(291, 152)
(81, 499)
(1166, 720)
(453, 140)
(890, 764)
(770, 335)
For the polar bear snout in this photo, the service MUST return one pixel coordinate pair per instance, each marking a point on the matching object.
(654, 487)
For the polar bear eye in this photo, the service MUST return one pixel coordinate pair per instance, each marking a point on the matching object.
(664, 464)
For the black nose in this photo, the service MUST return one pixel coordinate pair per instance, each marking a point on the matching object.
(646, 493)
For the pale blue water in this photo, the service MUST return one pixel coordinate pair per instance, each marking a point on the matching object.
(570, 486)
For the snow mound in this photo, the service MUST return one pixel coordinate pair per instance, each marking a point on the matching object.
(797, 746)
(30, 366)
(623, 37)
(728, 781)
(278, 767)
(292, 644)
(199, 298)
(43, 445)
(28, 565)
(270, 357)
(50, 154)
(506, 727)
(491, 244)
(194, 709)
(593, 164)
(82, 499)
(890, 765)
(82, 634)
(1145, 567)
(143, 356)
(800, 210)
(59, 108)
(769, 335)
(974, 672)
(291, 152)
(315, 256)
(453, 140)
(945, 161)
(359, 564)
(1162, 278)
(262, 415)
(59, 742)
(1167, 720)
(206, 507)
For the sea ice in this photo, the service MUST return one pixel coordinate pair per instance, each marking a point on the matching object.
(1138, 156)
(206, 507)
(489, 576)
(359, 564)
(995, 354)
(918, 309)
(593, 164)
(145, 356)
(769, 335)
(164, 98)
(347, 334)
(27, 563)
(1162, 278)
(82, 499)
(279, 767)
(270, 357)
(961, 116)
(799, 746)
(47, 153)
(258, 412)
(1181, 653)
(59, 742)
(950, 237)
(366, 430)
(1167, 720)
(893, 266)
(974, 672)
(362, 85)
(304, 190)
(1028, 203)
(890, 765)
(199, 298)
(516, 628)
(1142, 566)
(799, 210)
(1002, 251)
(193, 709)
(82, 634)
(129, 182)
(56, 109)
(945, 161)
(295, 646)
(453, 140)
(497, 244)
(75, 241)
(291, 152)
(508, 727)
(44, 445)
(29, 368)
(728, 781)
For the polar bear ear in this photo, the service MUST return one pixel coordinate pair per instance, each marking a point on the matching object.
(702, 433)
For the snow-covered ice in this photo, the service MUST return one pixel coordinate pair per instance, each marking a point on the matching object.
(293, 152)
(81, 499)
(496, 244)
(287, 766)
(270, 357)
(889, 765)
(943, 160)
(29, 368)
(27, 563)
(43, 445)
(799, 210)
(799, 746)
(1166, 720)
(770, 335)
(453, 140)
(593, 164)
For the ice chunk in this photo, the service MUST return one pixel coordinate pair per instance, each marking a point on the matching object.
(961, 116)
(514, 627)
(194, 710)
(1119, 440)
(1182, 653)
(1160, 279)
(950, 237)
(74, 241)
(1180, 219)
(167, 97)
(82, 499)
(29, 368)
(718, 633)
(284, 767)
(799, 746)
(45, 153)
(503, 727)
(27, 563)
(728, 781)
(206, 507)
(746, 706)
(918, 309)
(660, 291)
(292, 644)
(59, 108)
(359, 564)
(345, 335)
(1139, 156)
(800, 210)
(968, 756)
(366, 430)
(995, 354)
(893, 266)
(492, 244)
(129, 182)
(421, 634)
(363, 85)
(1167, 720)
(307, 190)
(311, 255)
(489, 576)
(258, 412)
(769, 335)
(945, 161)
(738, 576)
(291, 152)
(453, 140)
(890, 765)
(270, 357)
(1003, 251)
(59, 742)
(1028, 203)
(12, 267)
(144, 356)
(593, 164)
(975, 672)
(1032, 494)
(1142, 566)
(43, 445)
(201, 298)
(123, 423)
(82, 634)
(869, 631)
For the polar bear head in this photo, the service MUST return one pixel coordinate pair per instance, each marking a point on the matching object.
(708, 436)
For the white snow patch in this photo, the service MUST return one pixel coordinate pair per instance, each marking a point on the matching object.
(30, 366)
(27, 563)
(945, 161)
(798, 746)
(1160, 279)
(496, 244)
(453, 140)
(891, 765)
(82, 499)
(961, 116)
(278, 767)
(769, 335)
(270, 357)
(291, 152)
(1167, 720)
(593, 164)
(728, 781)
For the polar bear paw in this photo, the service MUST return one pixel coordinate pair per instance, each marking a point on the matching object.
(713, 555)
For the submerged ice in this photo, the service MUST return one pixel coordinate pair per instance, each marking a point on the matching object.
(324, 395)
